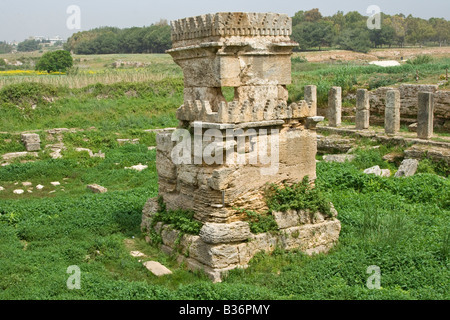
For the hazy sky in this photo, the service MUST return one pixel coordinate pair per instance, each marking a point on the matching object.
(20, 19)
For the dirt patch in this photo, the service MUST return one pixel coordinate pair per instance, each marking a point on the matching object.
(373, 55)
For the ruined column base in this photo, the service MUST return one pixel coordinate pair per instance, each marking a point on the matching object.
(308, 232)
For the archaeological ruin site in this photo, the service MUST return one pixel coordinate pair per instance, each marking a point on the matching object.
(250, 52)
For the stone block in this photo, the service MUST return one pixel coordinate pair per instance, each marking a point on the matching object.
(334, 106)
(392, 112)
(157, 268)
(362, 119)
(407, 168)
(425, 115)
(215, 233)
(97, 188)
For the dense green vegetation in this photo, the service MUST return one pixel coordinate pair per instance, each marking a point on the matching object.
(400, 225)
(5, 48)
(310, 29)
(106, 40)
(28, 45)
(350, 32)
(52, 61)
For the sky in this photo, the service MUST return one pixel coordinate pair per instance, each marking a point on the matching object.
(20, 19)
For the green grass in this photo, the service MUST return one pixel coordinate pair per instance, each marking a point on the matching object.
(400, 225)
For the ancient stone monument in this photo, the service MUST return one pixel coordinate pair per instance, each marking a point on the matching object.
(425, 115)
(334, 106)
(362, 109)
(222, 156)
(392, 112)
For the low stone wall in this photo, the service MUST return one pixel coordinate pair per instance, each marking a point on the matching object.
(409, 103)
(223, 247)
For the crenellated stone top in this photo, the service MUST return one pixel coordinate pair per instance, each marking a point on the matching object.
(246, 111)
(228, 24)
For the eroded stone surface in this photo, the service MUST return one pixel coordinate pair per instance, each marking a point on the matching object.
(338, 157)
(156, 268)
(251, 53)
(225, 232)
(95, 188)
(407, 168)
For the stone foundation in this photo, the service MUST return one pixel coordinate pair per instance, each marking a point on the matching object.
(222, 247)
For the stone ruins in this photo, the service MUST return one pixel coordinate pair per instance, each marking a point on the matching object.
(250, 52)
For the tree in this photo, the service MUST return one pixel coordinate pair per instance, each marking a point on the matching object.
(418, 30)
(354, 19)
(298, 17)
(5, 48)
(442, 30)
(312, 15)
(385, 35)
(357, 39)
(313, 34)
(28, 46)
(398, 23)
(53, 61)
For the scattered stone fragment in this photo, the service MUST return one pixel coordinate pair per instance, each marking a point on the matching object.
(151, 148)
(385, 172)
(138, 167)
(30, 191)
(31, 141)
(338, 157)
(39, 187)
(376, 170)
(18, 191)
(157, 268)
(27, 184)
(407, 168)
(53, 191)
(97, 188)
(55, 183)
(14, 155)
(137, 254)
(56, 150)
(99, 154)
(132, 141)
(91, 154)
(1, 188)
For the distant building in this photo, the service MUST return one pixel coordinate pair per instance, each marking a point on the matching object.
(49, 40)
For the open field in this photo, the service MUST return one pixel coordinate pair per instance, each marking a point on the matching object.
(400, 225)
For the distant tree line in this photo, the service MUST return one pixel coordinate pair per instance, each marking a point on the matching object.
(5, 48)
(310, 29)
(349, 31)
(105, 40)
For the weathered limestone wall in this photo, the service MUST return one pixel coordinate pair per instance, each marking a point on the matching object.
(409, 104)
(213, 191)
(276, 141)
